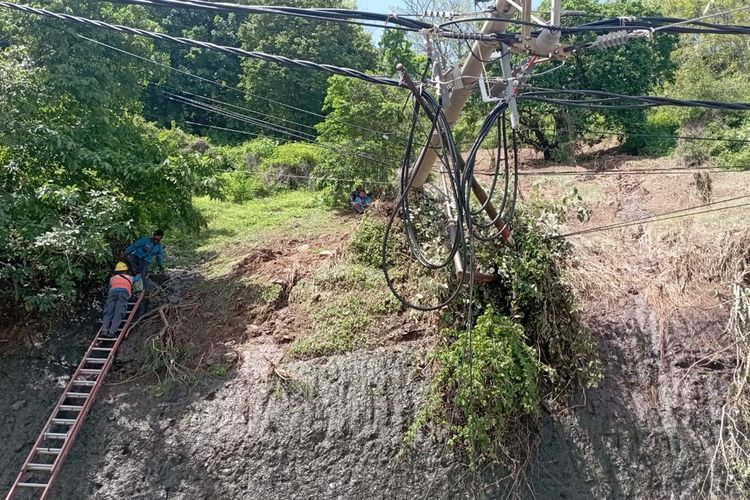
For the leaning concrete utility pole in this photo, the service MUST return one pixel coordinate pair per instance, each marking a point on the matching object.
(470, 74)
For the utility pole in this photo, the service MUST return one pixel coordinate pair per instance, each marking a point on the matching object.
(470, 73)
(473, 67)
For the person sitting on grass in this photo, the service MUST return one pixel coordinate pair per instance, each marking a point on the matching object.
(361, 202)
(353, 194)
(120, 288)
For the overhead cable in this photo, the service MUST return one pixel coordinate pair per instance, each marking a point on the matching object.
(310, 13)
(292, 134)
(225, 86)
(610, 100)
(322, 14)
(672, 214)
(636, 134)
(284, 61)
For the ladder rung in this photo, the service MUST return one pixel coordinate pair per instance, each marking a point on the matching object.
(90, 371)
(56, 435)
(102, 349)
(70, 408)
(77, 395)
(84, 382)
(100, 361)
(42, 467)
(63, 421)
(32, 485)
(49, 451)
(108, 339)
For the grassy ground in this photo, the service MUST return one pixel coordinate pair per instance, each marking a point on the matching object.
(336, 306)
(232, 228)
(346, 303)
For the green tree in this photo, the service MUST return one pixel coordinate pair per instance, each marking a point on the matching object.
(364, 131)
(80, 172)
(638, 68)
(208, 64)
(324, 42)
(394, 48)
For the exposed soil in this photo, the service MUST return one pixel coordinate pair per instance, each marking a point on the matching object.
(292, 257)
(333, 427)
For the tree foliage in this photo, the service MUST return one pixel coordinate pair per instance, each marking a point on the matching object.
(365, 133)
(331, 43)
(488, 395)
(637, 68)
(713, 67)
(211, 65)
(80, 171)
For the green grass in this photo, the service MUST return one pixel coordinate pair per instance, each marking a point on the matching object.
(218, 370)
(344, 302)
(234, 226)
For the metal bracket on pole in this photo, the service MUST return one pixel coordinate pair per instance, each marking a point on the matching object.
(511, 89)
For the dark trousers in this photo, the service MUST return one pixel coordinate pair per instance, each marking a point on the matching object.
(114, 311)
(137, 265)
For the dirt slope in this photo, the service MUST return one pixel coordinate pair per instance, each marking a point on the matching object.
(332, 427)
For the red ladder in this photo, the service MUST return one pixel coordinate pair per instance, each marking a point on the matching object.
(56, 439)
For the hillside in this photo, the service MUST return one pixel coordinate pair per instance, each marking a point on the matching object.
(277, 398)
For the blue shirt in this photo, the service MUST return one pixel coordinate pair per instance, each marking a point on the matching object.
(146, 249)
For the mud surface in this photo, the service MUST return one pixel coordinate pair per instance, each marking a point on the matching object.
(334, 427)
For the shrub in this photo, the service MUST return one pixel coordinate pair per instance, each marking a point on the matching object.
(653, 136)
(544, 303)
(528, 342)
(248, 155)
(367, 241)
(478, 399)
(242, 186)
(723, 154)
(291, 164)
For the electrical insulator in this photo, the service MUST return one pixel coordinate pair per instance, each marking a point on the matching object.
(436, 13)
(611, 40)
(616, 39)
(547, 41)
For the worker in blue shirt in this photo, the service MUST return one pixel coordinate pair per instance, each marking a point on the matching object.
(140, 254)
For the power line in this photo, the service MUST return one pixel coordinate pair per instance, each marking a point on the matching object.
(282, 130)
(273, 58)
(391, 21)
(657, 171)
(238, 116)
(247, 110)
(599, 98)
(336, 15)
(541, 96)
(674, 214)
(336, 150)
(229, 87)
(706, 16)
(656, 25)
(634, 134)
